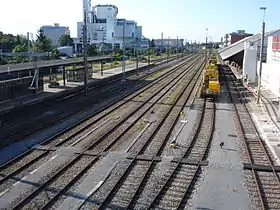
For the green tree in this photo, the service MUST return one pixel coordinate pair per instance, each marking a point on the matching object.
(92, 50)
(42, 42)
(18, 49)
(152, 44)
(55, 54)
(65, 40)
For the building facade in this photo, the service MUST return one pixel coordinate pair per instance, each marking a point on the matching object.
(103, 26)
(168, 43)
(233, 37)
(55, 32)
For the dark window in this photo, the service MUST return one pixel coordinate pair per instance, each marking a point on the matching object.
(113, 34)
(132, 34)
(101, 21)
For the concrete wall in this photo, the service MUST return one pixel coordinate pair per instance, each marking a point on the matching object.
(273, 56)
(271, 77)
(250, 62)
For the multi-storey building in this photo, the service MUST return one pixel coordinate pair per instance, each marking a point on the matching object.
(233, 37)
(103, 26)
(55, 32)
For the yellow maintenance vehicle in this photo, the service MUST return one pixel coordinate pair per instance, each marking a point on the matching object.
(210, 84)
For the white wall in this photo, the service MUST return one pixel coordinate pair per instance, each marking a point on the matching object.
(271, 77)
(250, 62)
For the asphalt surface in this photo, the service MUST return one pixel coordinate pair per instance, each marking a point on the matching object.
(223, 184)
(34, 178)
(96, 177)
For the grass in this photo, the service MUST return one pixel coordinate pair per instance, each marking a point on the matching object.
(155, 74)
(46, 79)
(173, 98)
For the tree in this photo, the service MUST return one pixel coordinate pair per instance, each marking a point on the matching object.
(65, 40)
(18, 49)
(92, 50)
(42, 42)
(55, 54)
(152, 44)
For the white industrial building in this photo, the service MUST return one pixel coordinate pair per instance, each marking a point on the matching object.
(55, 32)
(103, 26)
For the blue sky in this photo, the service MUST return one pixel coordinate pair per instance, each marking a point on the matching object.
(184, 18)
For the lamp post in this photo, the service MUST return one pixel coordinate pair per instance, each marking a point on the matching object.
(261, 55)
(168, 48)
(123, 61)
(206, 42)
(102, 45)
(161, 48)
(85, 53)
(149, 47)
(177, 49)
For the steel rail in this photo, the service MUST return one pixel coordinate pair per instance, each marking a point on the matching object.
(109, 197)
(59, 172)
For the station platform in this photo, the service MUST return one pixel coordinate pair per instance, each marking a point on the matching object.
(236, 72)
(8, 105)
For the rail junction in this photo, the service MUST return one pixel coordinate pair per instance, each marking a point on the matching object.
(150, 143)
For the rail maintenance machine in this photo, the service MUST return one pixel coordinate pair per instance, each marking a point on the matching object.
(210, 84)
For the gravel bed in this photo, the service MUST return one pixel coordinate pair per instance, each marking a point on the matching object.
(103, 191)
(19, 163)
(116, 133)
(202, 140)
(126, 140)
(190, 203)
(178, 152)
(95, 108)
(256, 203)
(176, 187)
(125, 193)
(158, 176)
(144, 138)
(43, 179)
(258, 156)
(48, 193)
(7, 184)
(122, 112)
(161, 135)
(74, 186)
(168, 151)
(161, 110)
(61, 137)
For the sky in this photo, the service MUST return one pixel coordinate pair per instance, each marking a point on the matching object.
(186, 19)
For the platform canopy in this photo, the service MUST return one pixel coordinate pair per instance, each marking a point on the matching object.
(238, 47)
(50, 63)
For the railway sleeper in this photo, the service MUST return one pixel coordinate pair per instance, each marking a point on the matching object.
(258, 167)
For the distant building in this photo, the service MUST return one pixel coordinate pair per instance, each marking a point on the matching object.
(233, 37)
(103, 26)
(55, 32)
(166, 43)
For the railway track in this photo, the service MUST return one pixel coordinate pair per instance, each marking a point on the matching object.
(49, 112)
(262, 178)
(125, 193)
(73, 134)
(76, 159)
(271, 110)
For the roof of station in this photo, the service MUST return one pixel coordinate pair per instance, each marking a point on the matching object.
(51, 63)
(238, 47)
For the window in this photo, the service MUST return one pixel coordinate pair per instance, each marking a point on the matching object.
(113, 34)
(132, 34)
